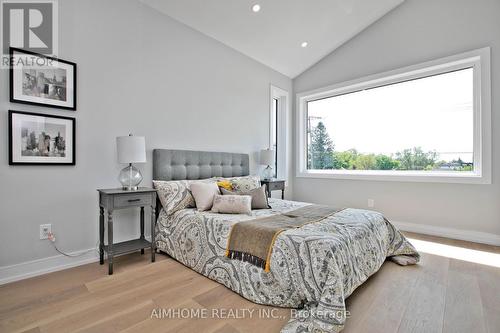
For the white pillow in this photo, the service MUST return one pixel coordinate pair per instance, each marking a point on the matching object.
(203, 194)
(232, 204)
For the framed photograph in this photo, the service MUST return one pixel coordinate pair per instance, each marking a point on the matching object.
(41, 139)
(40, 80)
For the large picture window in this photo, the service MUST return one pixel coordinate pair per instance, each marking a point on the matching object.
(426, 121)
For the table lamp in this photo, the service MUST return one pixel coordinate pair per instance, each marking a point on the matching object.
(131, 149)
(267, 158)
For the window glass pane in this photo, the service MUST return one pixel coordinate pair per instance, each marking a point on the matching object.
(424, 124)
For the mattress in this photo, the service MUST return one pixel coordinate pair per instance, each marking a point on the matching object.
(313, 268)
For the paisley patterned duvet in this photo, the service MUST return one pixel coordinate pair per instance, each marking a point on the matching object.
(313, 268)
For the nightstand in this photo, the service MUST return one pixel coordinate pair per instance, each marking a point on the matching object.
(113, 199)
(274, 185)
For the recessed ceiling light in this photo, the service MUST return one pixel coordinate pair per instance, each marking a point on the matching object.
(304, 44)
(256, 8)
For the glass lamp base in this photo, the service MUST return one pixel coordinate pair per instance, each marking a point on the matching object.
(130, 177)
(268, 173)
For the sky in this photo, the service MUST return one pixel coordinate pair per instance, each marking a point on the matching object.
(434, 113)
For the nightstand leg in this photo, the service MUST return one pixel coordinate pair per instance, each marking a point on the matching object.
(268, 193)
(282, 194)
(110, 242)
(142, 226)
(153, 217)
(101, 235)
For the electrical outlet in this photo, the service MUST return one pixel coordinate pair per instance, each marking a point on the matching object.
(45, 229)
(371, 203)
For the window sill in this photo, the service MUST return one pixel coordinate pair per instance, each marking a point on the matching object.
(398, 176)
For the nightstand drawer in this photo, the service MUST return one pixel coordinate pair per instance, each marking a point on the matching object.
(129, 200)
(276, 186)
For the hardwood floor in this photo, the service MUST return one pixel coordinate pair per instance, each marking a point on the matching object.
(438, 295)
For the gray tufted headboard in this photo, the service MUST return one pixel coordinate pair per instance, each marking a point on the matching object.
(171, 164)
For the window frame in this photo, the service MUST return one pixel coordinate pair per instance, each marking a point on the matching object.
(275, 127)
(478, 59)
(282, 134)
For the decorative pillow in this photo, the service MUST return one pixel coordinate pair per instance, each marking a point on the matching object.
(203, 194)
(174, 195)
(226, 184)
(244, 184)
(259, 196)
(232, 204)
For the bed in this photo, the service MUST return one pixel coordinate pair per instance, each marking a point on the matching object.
(313, 268)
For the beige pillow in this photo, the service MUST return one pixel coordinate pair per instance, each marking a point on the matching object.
(203, 194)
(232, 204)
(259, 196)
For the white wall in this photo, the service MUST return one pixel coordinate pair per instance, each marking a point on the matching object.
(416, 31)
(138, 71)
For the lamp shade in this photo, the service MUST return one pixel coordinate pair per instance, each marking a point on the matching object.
(131, 149)
(267, 157)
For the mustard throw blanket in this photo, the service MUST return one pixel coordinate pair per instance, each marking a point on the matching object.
(252, 241)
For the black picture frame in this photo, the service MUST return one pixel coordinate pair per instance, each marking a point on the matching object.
(12, 113)
(73, 85)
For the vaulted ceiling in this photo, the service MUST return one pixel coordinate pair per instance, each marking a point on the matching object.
(275, 34)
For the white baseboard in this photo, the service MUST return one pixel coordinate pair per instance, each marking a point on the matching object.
(461, 234)
(45, 265)
(42, 266)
